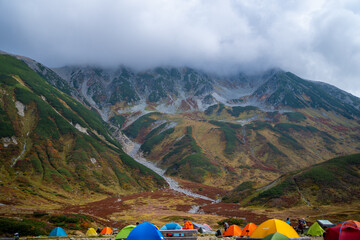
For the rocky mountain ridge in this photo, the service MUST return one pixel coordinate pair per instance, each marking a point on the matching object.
(175, 90)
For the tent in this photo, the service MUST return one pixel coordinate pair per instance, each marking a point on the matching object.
(343, 232)
(171, 226)
(351, 223)
(248, 229)
(124, 233)
(91, 232)
(201, 227)
(273, 226)
(146, 231)
(106, 231)
(315, 230)
(207, 227)
(276, 236)
(233, 230)
(188, 225)
(58, 232)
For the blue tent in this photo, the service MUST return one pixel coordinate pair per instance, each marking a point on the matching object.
(146, 231)
(171, 226)
(58, 232)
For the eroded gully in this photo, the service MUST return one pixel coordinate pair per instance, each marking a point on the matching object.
(133, 149)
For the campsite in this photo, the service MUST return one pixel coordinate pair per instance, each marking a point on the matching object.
(179, 120)
(272, 229)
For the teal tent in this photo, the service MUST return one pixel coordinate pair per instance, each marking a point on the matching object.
(58, 232)
(315, 230)
(171, 226)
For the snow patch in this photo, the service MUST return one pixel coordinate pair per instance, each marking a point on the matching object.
(194, 209)
(80, 128)
(7, 141)
(14, 160)
(21, 108)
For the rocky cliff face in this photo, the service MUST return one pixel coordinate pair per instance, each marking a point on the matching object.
(174, 90)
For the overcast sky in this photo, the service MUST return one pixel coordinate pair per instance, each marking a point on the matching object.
(315, 39)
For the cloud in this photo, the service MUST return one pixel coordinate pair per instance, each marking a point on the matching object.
(317, 40)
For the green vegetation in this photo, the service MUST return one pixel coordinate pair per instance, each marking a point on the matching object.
(334, 181)
(236, 111)
(155, 131)
(193, 167)
(230, 135)
(141, 123)
(295, 116)
(6, 128)
(289, 142)
(117, 120)
(193, 164)
(287, 185)
(285, 127)
(211, 109)
(58, 154)
(152, 141)
(244, 186)
(26, 227)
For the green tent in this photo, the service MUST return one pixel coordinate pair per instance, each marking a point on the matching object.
(124, 233)
(315, 230)
(276, 236)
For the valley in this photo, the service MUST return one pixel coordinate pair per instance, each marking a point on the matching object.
(117, 146)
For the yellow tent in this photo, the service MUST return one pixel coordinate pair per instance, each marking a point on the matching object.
(91, 232)
(273, 226)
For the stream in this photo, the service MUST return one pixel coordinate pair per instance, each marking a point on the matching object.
(133, 149)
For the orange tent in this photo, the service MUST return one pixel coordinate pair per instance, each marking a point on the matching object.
(233, 230)
(248, 229)
(188, 225)
(106, 231)
(351, 223)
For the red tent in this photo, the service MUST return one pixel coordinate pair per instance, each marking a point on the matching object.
(343, 232)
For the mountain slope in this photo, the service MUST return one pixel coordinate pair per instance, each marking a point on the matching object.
(55, 149)
(218, 130)
(334, 181)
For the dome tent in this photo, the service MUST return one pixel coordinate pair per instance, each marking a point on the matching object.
(315, 230)
(171, 226)
(273, 226)
(248, 229)
(58, 232)
(146, 231)
(124, 233)
(343, 231)
(106, 231)
(276, 236)
(233, 230)
(91, 232)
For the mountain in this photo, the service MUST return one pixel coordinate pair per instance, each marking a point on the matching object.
(220, 130)
(54, 149)
(334, 181)
(173, 90)
(217, 130)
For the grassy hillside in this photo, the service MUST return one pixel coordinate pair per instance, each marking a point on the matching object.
(334, 181)
(54, 148)
(252, 146)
